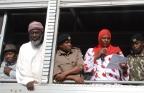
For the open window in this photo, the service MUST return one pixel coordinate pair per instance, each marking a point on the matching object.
(17, 24)
(16, 30)
(83, 24)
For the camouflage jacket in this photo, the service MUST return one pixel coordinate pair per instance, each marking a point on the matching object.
(136, 66)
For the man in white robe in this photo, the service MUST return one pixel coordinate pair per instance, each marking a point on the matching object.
(29, 63)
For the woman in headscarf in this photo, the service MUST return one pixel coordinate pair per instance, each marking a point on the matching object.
(98, 58)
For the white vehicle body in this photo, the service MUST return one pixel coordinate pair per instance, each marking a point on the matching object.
(51, 29)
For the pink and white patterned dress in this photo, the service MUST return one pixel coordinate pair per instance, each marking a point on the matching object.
(99, 68)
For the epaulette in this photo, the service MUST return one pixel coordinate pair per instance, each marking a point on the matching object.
(76, 48)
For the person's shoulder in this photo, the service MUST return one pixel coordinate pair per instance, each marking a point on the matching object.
(130, 56)
(24, 47)
(3, 64)
(116, 49)
(115, 46)
(75, 48)
(90, 49)
(143, 52)
(25, 44)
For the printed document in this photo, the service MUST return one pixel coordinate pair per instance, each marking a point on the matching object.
(115, 61)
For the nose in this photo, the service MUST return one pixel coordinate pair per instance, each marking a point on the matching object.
(8, 55)
(34, 34)
(135, 46)
(69, 44)
(106, 39)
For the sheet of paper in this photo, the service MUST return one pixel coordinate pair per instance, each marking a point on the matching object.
(116, 60)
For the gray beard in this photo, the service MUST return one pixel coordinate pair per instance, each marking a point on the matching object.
(37, 43)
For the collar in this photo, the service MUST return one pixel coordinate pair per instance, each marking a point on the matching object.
(9, 64)
(138, 55)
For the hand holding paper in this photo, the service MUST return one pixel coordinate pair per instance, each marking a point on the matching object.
(116, 60)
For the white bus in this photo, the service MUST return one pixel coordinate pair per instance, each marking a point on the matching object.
(81, 18)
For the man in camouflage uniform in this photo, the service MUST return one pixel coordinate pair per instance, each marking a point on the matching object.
(68, 61)
(136, 58)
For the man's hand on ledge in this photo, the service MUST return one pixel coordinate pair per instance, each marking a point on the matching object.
(30, 85)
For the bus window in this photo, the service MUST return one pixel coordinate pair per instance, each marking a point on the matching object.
(84, 23)
(16, 30)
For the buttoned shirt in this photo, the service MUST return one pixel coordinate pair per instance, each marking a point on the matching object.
(66, 61)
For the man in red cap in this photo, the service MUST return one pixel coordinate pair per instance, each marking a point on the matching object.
(29, 63)
(98, 58)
